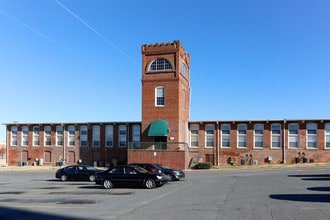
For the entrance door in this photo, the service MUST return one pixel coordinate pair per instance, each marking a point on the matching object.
(160, 142)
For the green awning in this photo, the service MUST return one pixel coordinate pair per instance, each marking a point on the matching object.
(158, 128)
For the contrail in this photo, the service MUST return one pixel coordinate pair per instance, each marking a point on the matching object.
(96, 32)
(34, 30)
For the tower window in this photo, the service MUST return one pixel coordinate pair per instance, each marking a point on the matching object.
(184, 70)
(160, 96)
(160, 64)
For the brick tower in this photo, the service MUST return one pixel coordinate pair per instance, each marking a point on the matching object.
(165, 94)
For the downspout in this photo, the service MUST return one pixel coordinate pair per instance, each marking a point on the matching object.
(64, 158)
(7, 146)
(284, 140)
(218, 144)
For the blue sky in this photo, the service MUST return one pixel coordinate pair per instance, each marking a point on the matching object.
(80, 60)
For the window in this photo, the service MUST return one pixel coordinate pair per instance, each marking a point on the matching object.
(160, 96)
(225, 136)
(13, 136)
(258, 136)
(209, 135)
(59, 136)
(122, 136)
(72, 136)
(311, 134)
(293, 135)
(241, 135)
(276, 136)
(25, 136)
(160, 64)
(83, 136)
(36, 136)
(184, 69)
(136, 133)
(327, 136)
(109, 136)
(194, 129)
(96, 136)
(47, 135)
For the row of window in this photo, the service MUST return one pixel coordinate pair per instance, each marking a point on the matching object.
(258, 136)
(71, 135)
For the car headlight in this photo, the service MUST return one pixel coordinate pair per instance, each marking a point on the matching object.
(159, 177)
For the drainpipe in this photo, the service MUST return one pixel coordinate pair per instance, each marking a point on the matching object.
(217, 143)
(64, 159)
(284, 140)
(7, 151)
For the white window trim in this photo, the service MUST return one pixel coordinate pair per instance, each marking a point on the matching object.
(311, 135)
(164, 92)
(258, 135)
(59, 128)
(194, 127)
(47, 135)
(71, 135)
(25, 136)
(242, 135)
(293, 135)
(209, 135)
(225, 135)
(13, 135)
(275, 135)
(36, 137)
(325, 136)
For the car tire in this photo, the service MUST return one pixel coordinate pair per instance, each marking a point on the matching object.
(107, 184)
(64, 177)
(170, 177)
(92, 178)
(150, 183)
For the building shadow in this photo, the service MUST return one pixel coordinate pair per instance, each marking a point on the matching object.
(302, 197)
(18, 214)
(320, 189)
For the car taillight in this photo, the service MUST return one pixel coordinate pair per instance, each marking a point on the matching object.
(153, 170)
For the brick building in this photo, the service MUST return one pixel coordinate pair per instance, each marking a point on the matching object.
(165, 133)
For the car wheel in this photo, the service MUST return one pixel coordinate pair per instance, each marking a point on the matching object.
(92, 178)
(64, 177)
(150, 183)
(107, 184)
(170, 177)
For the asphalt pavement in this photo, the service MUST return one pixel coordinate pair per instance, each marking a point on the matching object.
(294, 193)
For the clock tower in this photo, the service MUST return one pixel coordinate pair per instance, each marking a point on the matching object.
(165, 95)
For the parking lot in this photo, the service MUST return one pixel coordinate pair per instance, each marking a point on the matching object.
(299, 193)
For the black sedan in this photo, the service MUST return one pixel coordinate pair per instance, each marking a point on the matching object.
(77, 172)
(172, 174)
(130, 176)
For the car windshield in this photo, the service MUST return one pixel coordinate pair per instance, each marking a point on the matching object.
(140, 169)
(163, 166)
(90, 168)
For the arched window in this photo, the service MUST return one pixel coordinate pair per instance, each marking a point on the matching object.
(160, 64)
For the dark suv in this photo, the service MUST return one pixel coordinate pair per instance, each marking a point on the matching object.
(149, 166)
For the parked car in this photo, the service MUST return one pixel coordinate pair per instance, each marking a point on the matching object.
(130, 176)
(154, 168)
(172, 174)
(77, 172)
